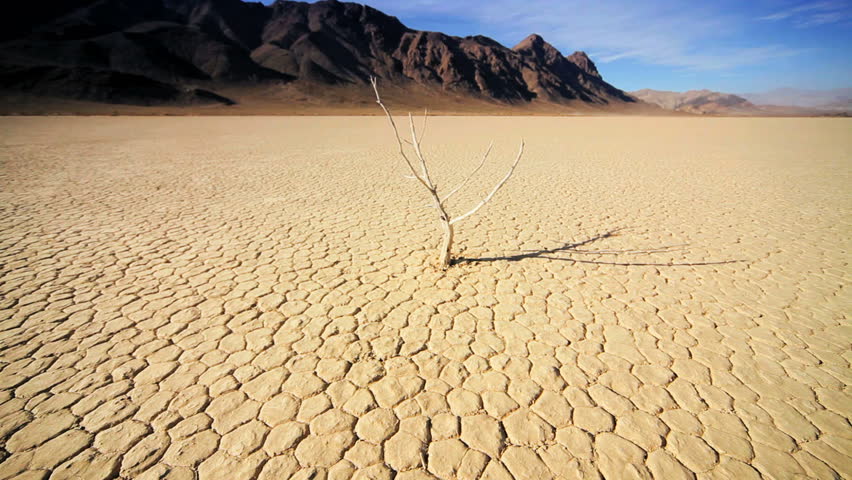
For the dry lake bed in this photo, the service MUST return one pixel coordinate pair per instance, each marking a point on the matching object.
(189, 297)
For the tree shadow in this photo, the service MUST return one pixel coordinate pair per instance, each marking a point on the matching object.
(574, 249)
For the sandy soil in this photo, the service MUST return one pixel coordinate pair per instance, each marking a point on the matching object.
(243, 297)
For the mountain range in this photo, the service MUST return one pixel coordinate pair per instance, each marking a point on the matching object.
(697, 101)
(178, 52)
(838, 99)
(781, 102)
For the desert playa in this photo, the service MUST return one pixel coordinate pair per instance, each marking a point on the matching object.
(255, 297)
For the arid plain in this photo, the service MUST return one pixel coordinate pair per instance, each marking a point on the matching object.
(219, 297)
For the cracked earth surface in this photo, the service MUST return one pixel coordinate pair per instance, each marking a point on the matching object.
(253, 298)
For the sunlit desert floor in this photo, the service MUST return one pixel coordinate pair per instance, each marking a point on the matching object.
(254, 297)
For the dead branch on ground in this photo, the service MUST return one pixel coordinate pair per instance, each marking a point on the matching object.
(423, 177)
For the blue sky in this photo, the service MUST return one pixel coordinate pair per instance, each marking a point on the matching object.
(726, 45)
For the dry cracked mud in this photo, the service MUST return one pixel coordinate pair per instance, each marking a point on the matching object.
(254, 298)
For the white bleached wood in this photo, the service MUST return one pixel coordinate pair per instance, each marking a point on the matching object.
(395, 132)
(497, 187)
(416, 144)
(464, 182)
(445, 258)
(423, 130)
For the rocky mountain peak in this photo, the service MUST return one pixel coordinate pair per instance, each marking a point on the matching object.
(536, 46)
(585, 63)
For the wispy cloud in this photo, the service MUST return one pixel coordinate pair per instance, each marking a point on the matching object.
(718, 59)
(813, 14)
(660, 32)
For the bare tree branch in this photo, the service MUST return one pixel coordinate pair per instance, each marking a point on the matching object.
(416, 144)
(373, 81)
(463, 183)
(423, 130)
(496, 188)
(445, 259)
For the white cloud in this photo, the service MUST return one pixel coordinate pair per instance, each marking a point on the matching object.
(813, 14)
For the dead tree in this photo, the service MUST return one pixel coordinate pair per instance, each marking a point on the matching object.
(423, 177)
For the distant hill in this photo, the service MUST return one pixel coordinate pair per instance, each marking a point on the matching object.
(839, 99)
(151, 52)
(697, 101)
(782, 102)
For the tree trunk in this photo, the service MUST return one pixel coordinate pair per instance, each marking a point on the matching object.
(446, 245)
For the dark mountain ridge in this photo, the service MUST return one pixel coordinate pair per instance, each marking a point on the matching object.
(187, 49)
